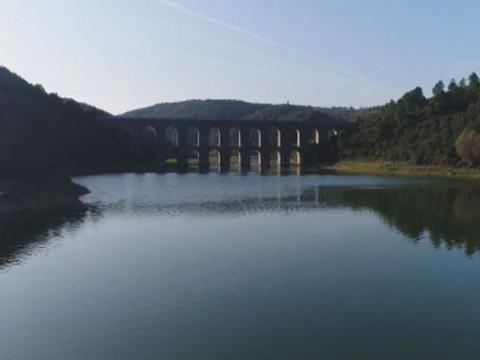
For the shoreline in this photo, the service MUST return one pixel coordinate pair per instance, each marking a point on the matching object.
(42, 196)
(366, 167)
(31, 196)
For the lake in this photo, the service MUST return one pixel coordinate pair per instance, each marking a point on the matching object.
(246, 267)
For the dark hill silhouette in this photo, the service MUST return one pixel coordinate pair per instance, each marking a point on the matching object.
(43, 134)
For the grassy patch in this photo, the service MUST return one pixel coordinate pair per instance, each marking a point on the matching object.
(405, 169)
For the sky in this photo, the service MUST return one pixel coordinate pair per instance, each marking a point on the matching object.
(124, 54)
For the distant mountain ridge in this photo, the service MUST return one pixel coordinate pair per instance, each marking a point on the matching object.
(241, 110)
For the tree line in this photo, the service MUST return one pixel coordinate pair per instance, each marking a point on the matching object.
(443, 129)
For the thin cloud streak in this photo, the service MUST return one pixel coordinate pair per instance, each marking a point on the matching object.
(347, 75)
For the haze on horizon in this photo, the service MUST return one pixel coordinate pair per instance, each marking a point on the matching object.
(123, 54)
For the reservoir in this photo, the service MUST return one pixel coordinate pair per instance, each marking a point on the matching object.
(225, 266)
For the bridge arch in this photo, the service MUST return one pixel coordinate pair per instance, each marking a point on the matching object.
(296, 138)
(332, 136)
(332, 132)
(235, 136)
(149, 137)
(256, 137)
(275, 159)
(193, 158)
(314, 137)
(215, 158)
(255, 158)
(214, 137)
(193, 136)
(275, 137)
(171, 136)
(295, 158)
(235, 159)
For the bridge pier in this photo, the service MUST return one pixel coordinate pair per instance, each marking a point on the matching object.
(265, 154)
(224, 158)
(285, 158)
(204, 159)
(160, 157)
(245, 158)
(182, 160)
(203, 151)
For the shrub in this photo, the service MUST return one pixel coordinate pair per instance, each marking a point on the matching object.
(468, 146)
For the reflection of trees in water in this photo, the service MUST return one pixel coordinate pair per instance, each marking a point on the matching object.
(21, 234)
(446, 214)
(449, 215)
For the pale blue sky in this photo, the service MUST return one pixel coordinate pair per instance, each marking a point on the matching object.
(124, 54)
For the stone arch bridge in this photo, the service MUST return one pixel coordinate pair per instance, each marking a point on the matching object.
(225, 143)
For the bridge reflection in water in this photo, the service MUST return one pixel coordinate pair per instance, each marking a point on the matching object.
(229, 144)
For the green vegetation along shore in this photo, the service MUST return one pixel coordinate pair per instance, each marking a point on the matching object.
(443, 130)
(404, 169)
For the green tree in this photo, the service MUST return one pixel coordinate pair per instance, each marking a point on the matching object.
(474, 81)
(473, 90)
(452, 86)
(439, 88)
(412, 100)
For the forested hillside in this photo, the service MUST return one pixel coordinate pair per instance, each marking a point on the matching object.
(199, 109)
(443, 129)
(288, 113)
(239, 110)
(43, 134)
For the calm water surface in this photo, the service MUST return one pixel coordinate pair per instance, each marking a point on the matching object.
(246, 267)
